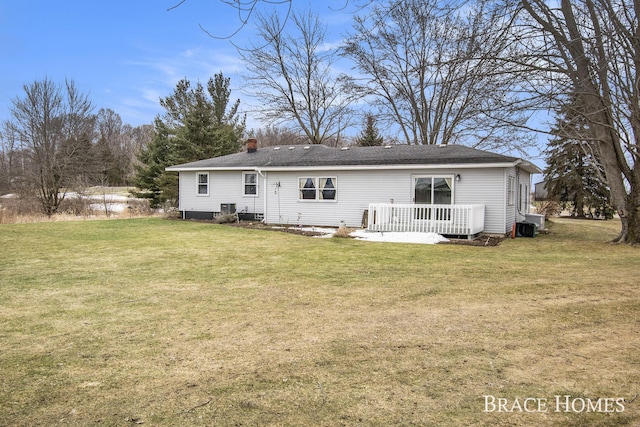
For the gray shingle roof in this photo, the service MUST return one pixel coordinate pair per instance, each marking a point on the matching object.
(320, 155)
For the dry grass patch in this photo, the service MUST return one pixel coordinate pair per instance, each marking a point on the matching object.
(181, 323)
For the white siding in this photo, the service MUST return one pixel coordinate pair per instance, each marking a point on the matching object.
(510, 209)
(224, 187)
(524, 182)
(484, 187)
(513, 212)
(356, 189)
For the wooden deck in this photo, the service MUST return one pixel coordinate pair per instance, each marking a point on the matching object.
(461, 220)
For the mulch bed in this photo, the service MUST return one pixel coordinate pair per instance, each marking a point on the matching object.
(478, 241)
(282, 229)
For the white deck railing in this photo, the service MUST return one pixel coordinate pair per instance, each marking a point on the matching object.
(442, 219)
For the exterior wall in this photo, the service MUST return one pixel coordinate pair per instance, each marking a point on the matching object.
(522, 200)
(524, 185)
(510, 208)
(485, 187)
(355, 190)
(224, 187)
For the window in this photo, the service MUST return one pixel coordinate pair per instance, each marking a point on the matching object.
(511, 191)
(203, 184)
(307, 188)
(327, 188)
(250, 184)
(317, 188)
(524, 198)
(432, 190)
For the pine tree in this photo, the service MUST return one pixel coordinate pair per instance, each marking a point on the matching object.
(198, 123)
(370, 135)
(574, 173)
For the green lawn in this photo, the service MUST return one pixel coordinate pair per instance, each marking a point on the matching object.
(159, 323)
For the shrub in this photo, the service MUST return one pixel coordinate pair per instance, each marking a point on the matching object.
(7, 216)
(342, 232)
(140, 207)
(227, 218)
(76, 206)
(16, 208)
(549, 209)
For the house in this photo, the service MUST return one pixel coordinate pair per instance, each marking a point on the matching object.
(540, 193)
(449, 189)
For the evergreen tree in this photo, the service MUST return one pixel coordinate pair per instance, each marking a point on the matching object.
(574, 173)
(370, 135)
(198, 123)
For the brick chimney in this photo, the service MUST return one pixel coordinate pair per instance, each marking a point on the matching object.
(252, 145)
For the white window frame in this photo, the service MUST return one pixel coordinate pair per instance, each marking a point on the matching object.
(511, 190)
(433, 178)
(524, 198)
(244, 184)
(199, 183)
(322, 181)
(434, 214)
(317, 180)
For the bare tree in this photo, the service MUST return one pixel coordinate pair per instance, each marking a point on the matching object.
(55, 126)
(591, 48)
(138, 138)
(113, 148)
(433, 69)
(292, 75)
(274, 135)
(248, 9)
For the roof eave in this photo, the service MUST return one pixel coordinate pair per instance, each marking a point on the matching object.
(528, 166)
(524, 165)
(208, 168)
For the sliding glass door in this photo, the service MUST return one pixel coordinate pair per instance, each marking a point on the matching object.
(432, 190)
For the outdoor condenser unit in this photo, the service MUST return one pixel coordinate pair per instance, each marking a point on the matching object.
(536, 219)
(526, 229)
(227, 208)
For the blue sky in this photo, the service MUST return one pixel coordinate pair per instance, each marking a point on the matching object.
(127, 54)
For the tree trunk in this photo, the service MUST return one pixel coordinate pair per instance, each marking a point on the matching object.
(591, 75)
(631, 223)
(625, 203)
(599, 103)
